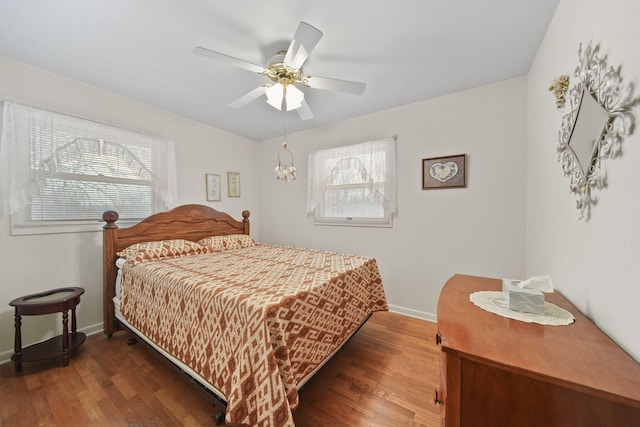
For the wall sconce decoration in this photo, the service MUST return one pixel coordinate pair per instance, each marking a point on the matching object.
(559, 88)
(600, 118)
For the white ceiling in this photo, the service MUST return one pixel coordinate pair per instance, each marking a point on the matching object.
(404, 50)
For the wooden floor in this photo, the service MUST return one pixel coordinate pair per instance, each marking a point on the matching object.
(384, 376)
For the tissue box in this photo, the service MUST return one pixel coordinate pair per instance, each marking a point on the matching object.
(522, 299)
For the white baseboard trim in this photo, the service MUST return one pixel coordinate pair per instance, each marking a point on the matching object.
(5, 356)
(430, 317)
(93, 329)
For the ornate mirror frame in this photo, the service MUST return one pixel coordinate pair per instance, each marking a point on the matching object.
(601, 85)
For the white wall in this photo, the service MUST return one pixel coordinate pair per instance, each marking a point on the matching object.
(475, 230)
(34, 263)
(595, 263)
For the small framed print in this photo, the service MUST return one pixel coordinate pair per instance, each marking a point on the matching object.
(233, 184)
(213, 187)
(444, 172)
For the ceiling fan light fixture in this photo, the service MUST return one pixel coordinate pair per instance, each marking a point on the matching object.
(293, 96)
(275, 95)
(279, 92)
(285, 72)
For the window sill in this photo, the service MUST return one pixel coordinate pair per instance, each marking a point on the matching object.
(354, 222)
(61, 227)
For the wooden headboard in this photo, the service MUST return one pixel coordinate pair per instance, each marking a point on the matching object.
(190, 222)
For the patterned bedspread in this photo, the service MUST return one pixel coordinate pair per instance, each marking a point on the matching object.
(253, 322)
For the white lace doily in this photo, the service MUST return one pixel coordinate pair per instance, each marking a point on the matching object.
(493, 301)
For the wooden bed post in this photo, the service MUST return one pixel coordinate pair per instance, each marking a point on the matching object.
(245, 220)
(109, 237)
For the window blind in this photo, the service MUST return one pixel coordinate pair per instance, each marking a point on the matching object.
(62, 170)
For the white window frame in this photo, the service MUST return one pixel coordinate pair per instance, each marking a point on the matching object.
(372, 167)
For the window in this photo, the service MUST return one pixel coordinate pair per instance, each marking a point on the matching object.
(60, 173)
(353, 185)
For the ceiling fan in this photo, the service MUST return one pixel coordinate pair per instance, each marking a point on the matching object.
(285, 72)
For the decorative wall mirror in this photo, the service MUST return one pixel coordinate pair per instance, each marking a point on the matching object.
(600, 118)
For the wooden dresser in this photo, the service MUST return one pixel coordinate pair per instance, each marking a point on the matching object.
(501, 372)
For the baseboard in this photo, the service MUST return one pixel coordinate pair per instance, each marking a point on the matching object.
(5, 356)
(430, 317)
(93, 329)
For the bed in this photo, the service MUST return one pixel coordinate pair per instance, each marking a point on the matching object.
(251, 323)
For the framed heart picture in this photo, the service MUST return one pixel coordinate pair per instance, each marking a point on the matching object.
(444, 172)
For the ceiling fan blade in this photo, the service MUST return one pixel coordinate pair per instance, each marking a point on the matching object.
(226, 59)
(304, 112)
(248, 97)
(325, 83)
(304, 40)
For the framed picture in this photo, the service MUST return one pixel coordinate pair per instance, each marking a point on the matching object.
(444, 172)
(213, 187)
(233, 182)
